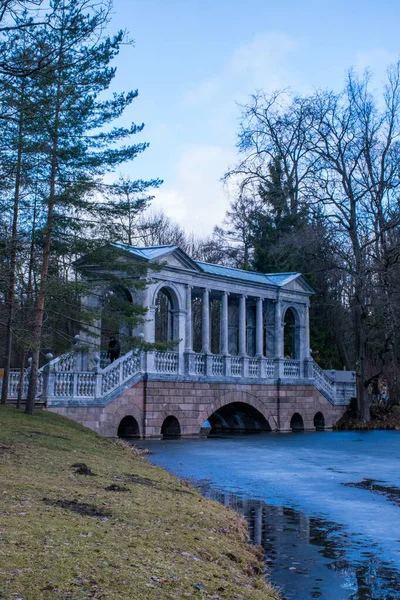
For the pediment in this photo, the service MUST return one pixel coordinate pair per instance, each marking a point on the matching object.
(298, 284)
(178, 259)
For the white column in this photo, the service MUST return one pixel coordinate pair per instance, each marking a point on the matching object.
(149, 325)
(224, 324)
(306, 341)
(278, 330)
(206, 321)
(259, 327)
(242, 325)
(188, 329)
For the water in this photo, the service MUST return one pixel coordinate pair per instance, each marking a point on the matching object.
(322, 538)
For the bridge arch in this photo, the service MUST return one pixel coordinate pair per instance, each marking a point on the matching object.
(297, 423)
(115, 419)
(319, 421)
(239, 400)
(171, 427)
(128, 428)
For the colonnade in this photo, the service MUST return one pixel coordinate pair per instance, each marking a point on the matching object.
(277, 325)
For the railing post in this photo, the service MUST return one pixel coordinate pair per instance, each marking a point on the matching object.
(75, 385)
(209, 362)
(150, 362)
(48, 376)
(279, 368)
(263, 368)
(308, 368)
(245, 366)
(189, 363)
(142, 362)
(228, 366)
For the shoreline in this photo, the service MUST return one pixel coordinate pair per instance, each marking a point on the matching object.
(84, 517)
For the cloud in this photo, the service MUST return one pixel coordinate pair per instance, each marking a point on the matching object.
(193, 195)
(203, 93)
(377, 60)
(264, 61)
(197, 199)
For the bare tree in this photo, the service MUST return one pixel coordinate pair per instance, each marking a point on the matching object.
(340, 154)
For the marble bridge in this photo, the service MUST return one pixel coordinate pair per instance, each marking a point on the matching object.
(241, 362)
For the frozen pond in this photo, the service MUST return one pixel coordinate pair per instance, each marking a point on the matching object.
(323, 536)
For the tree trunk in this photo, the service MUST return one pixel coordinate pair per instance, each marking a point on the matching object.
(13, 262)
(40, 304)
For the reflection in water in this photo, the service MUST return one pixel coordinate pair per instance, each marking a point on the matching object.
(309, 557)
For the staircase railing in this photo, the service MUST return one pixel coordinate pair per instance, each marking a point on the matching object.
(324, 383)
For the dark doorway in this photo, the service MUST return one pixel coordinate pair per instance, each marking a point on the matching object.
(128, 428)
(171, 428)
(296, 423)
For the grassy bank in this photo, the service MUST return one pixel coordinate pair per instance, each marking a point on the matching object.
(82, 517)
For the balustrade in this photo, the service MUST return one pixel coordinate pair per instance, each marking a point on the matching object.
(13, 383)
(254, 367)
(65, 362)
(217, 367)
(85, 384)
(236, 366)
(324, 383)
(130, 365)
(200, 364)
(291, 368)
(270, 368)
(166, 362)
(64, 383)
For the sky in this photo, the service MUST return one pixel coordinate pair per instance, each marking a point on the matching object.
(195, 61)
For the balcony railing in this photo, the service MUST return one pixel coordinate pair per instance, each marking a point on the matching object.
(60, 379)
(166, 362)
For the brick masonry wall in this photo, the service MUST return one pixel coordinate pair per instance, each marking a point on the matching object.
(151, 402)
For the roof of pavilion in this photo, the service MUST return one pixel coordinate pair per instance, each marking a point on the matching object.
(151, 253)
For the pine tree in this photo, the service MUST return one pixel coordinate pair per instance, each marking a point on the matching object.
(77, 148)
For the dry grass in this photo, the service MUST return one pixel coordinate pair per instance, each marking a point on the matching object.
(63, 535)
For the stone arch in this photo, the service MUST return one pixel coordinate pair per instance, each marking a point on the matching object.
(319, 421)
(171, 427)
(291, 331)
(128, 428)
(166, 302)
(296, 423)
(173, 290)
(114, 419)
(237, 397)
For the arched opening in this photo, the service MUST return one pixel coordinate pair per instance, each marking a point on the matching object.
(128, 428)
(237, 417)
(115, 322)
(289, 334)
(296, 423)
(319, 422)
(171, 428)
(164, 316)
